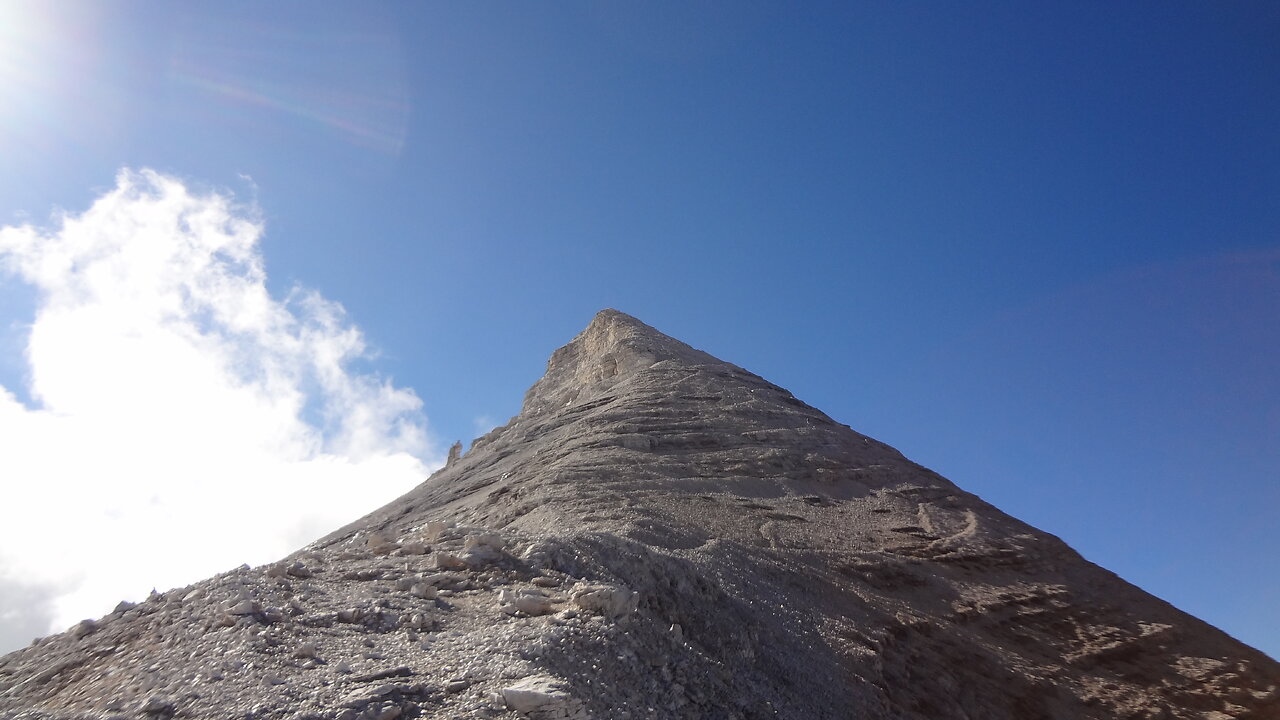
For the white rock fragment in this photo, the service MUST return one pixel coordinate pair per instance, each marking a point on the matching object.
(440, 579)
(83, 628)
(244, 607)
(418, 621)
(489, 540)
(529, 601)
(424, 591)
(449, 561)
(609, 600)
(481, 548)
(534, 693)
(413, 548)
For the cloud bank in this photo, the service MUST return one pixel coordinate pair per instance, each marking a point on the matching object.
(180, 419)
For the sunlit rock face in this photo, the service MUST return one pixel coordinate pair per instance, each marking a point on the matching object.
(657, 534)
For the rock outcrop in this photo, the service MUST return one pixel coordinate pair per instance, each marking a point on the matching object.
(657, 534)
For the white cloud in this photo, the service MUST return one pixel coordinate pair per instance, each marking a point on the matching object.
(184, 420)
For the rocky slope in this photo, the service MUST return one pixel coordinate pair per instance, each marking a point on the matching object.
(657, 534)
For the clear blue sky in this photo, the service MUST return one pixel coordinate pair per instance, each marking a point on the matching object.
(1034, 246)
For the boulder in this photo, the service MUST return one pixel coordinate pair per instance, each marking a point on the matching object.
(611, 601)
(534, 693)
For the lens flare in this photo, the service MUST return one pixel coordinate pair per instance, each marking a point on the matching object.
(353, 84)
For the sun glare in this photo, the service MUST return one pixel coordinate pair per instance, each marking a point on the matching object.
(24, 38)
(46, 56)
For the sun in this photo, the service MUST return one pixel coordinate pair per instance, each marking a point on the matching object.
(22, 33)
(34, 48)
(51, 73)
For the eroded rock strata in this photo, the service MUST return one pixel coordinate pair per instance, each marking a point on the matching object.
(657, 534)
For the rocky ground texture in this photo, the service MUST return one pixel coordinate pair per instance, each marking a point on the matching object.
(658, 534)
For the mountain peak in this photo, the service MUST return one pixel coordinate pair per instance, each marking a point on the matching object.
(657, 530)
(615, 333)
(614, 347)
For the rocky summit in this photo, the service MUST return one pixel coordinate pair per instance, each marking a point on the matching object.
(657, 534)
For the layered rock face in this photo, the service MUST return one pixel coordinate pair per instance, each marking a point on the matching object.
(657, 534)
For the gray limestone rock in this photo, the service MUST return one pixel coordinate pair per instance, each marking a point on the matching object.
(534, 693)
(657, 534)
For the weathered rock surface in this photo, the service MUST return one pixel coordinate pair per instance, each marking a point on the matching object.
(658, 534)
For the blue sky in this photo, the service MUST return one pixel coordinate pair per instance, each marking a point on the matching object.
(1035, 247)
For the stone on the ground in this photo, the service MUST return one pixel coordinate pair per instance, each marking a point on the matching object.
(609, 600)
(534, 693)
